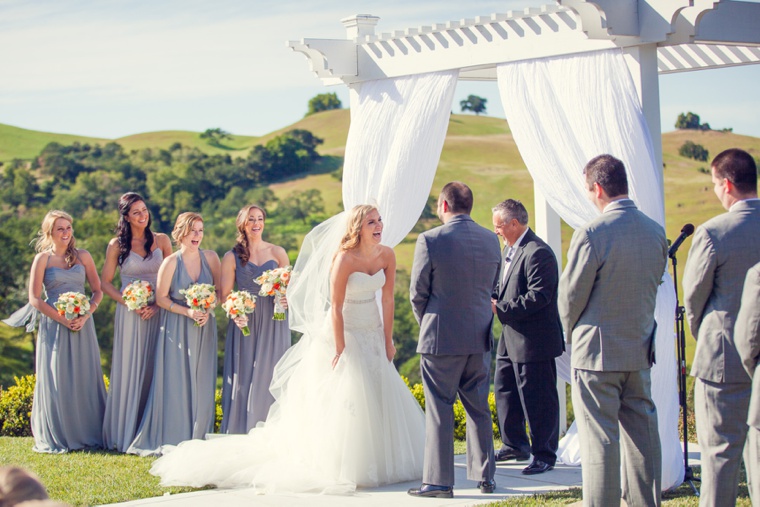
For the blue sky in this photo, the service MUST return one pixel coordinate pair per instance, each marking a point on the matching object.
(110, 68)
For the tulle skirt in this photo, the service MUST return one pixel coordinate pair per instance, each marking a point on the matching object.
(329, 431)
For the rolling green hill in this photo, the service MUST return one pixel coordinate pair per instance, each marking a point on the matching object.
(478, 150)
(16, 142)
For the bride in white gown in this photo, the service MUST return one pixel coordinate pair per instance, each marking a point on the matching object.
(343, 417)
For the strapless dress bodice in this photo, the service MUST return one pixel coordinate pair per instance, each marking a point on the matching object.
(361, 287)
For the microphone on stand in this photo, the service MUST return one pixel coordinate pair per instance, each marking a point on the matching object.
(687, 231)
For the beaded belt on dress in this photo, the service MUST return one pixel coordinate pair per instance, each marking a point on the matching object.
(360, 301)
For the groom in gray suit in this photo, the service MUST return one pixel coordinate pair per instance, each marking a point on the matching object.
(723, 249)
(606, 302)
(455, 268)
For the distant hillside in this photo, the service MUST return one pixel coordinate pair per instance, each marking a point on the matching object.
(16, 142)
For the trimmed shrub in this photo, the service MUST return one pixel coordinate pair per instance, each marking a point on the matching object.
(16, 408)
(460, 416)
(218, 411)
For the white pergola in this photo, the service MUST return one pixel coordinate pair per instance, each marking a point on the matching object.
(657, 37)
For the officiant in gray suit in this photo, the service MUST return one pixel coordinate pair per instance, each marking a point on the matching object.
(607, 296)
(455, 269)
(723, 249)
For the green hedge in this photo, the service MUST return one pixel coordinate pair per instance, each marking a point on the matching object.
(16, 408)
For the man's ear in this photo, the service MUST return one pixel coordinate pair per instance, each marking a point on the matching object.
(729, 186)
(445, 206)
(598, 190)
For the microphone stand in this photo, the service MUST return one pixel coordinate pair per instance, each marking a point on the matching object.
(688, 474)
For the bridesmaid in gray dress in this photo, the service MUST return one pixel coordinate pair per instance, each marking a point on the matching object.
(69, 396)
(180, 404)
(137, 252)
(249, 360)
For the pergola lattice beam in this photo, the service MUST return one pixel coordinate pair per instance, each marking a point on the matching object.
(684, 30)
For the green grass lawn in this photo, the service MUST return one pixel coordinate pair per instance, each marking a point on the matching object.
(99, 477)
(86, 477)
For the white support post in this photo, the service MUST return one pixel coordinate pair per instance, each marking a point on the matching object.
(642, 62)
(548, 228)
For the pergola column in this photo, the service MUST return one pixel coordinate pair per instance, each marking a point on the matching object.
(548, 226)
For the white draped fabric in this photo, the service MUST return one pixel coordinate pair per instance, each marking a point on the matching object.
(563, 111)
(397, 131)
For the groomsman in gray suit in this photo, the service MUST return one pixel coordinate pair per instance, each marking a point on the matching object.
(747, 336)
(455, 269)
(723, 249)
(606, 303)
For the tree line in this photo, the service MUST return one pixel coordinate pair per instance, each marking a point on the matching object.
(86, 181)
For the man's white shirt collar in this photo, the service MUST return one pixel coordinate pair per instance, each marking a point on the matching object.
(751, 199)
(519, 240)
(615, 202)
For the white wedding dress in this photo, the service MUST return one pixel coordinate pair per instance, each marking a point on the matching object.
(329, 431)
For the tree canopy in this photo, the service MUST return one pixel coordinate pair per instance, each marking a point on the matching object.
(323, 102)
(474, 103)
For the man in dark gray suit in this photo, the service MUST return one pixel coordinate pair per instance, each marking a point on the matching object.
(723, 249)
(525, 381)
(747, 334)
(454, 271)
(607, 298)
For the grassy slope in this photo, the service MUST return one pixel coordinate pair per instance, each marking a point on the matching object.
(16, 142)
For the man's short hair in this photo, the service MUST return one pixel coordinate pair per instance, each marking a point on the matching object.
(458, 196)
(609, 173)
(738, 167)
(509, 209)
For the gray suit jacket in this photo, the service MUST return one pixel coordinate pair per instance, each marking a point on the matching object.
(722, 251)
(747, 337)
(455, 268)
(608, 289)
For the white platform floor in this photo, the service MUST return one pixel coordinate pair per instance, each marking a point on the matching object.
(509, 483)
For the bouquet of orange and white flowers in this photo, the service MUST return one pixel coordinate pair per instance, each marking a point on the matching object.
(200, 296)
(72, 305)
(138, 294)
(238, 303)
(274, 282)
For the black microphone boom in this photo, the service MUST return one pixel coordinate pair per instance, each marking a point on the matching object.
(687, 231)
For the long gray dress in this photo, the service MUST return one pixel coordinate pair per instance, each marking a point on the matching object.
(69, 396)
(134, 347)
(249, 360)
(181, 401)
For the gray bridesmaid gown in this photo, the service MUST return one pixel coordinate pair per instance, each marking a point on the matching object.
(134, 347)
(69, 396)
(249, 360)
(181, 401)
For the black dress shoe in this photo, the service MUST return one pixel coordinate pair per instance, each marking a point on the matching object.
(432, 491)
(512, 454)
(487, 486)
(537, 467)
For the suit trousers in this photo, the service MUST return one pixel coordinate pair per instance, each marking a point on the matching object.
(606, 402)
(443, 377)
(528, 392)
(752, 463)
(721, 413)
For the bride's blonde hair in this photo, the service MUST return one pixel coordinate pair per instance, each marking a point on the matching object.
(44, 240)
(356, 218)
